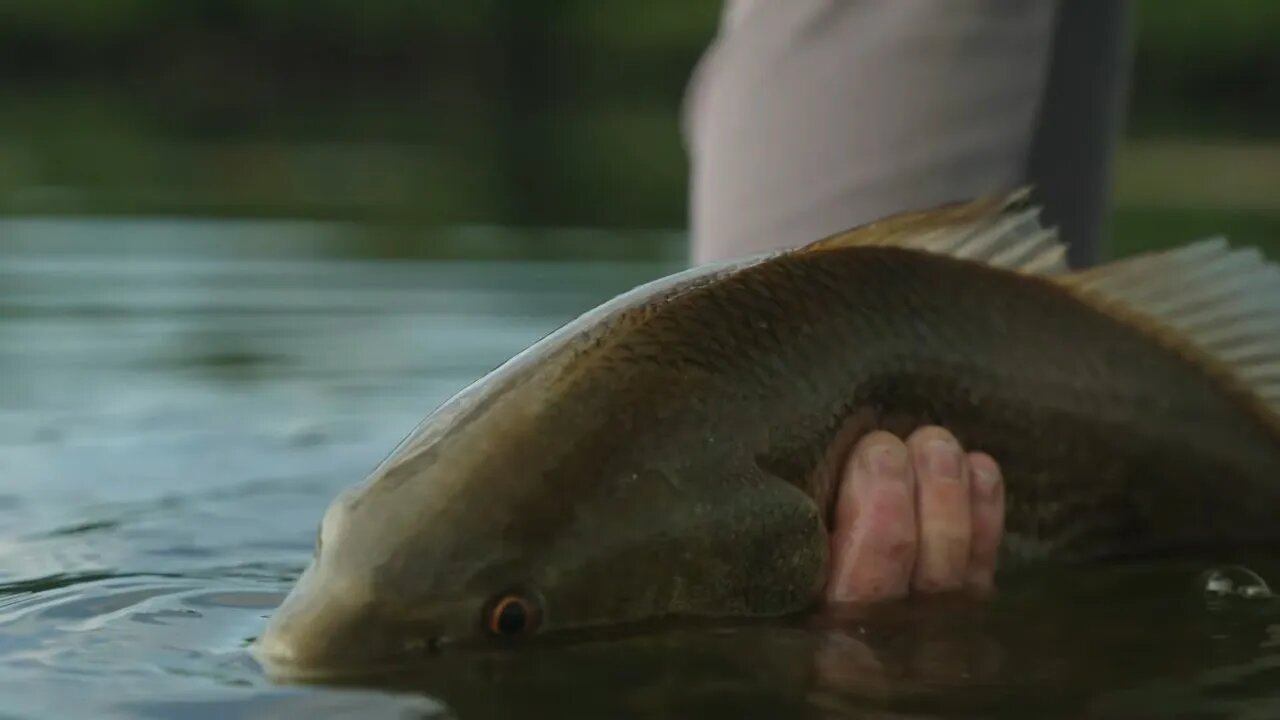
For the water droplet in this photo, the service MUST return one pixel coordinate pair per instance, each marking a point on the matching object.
(1234, 581)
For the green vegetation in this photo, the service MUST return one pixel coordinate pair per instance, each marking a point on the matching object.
(561, 112)
(1207, 68)
(1139, 229)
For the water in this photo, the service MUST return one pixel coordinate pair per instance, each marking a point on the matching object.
(180, 400)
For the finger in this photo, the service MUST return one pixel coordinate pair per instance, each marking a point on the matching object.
(850, 664)
(942, 510)
(873, 542)
(987, 517)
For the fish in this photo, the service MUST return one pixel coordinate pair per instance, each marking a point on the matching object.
(672, 455)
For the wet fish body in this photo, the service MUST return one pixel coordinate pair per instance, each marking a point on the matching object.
(673, 452)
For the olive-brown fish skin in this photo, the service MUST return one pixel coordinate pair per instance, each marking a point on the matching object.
(1111, 442)
(679, 458)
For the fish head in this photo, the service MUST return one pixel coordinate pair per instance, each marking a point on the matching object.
(495, 535)
(420, 556)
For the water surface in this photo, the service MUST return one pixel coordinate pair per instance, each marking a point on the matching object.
(180, 400)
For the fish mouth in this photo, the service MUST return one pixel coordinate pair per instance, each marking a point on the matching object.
(323, 630)
(288, 656)
(332, 625)
(281, 664)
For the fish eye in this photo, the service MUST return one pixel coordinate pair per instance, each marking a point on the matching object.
(511, 615)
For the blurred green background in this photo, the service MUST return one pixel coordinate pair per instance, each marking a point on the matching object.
(408, 116)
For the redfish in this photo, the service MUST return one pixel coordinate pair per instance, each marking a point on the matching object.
(673, 453)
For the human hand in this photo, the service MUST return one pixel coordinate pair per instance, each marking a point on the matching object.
(921, 516)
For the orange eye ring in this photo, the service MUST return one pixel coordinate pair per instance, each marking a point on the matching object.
(512, 615)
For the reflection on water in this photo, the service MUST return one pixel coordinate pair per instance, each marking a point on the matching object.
(1131, 643)
(174, 418)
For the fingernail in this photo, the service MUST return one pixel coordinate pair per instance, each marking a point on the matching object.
(985, 478)
(888, 462)
(944, 459)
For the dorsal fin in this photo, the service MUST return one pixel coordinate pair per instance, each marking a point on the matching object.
(1001, 231)
(1216, 304)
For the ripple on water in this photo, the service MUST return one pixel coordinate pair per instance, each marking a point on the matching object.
(116, 634)
(70, 614)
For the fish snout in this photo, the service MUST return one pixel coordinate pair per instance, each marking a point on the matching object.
(319, 630)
